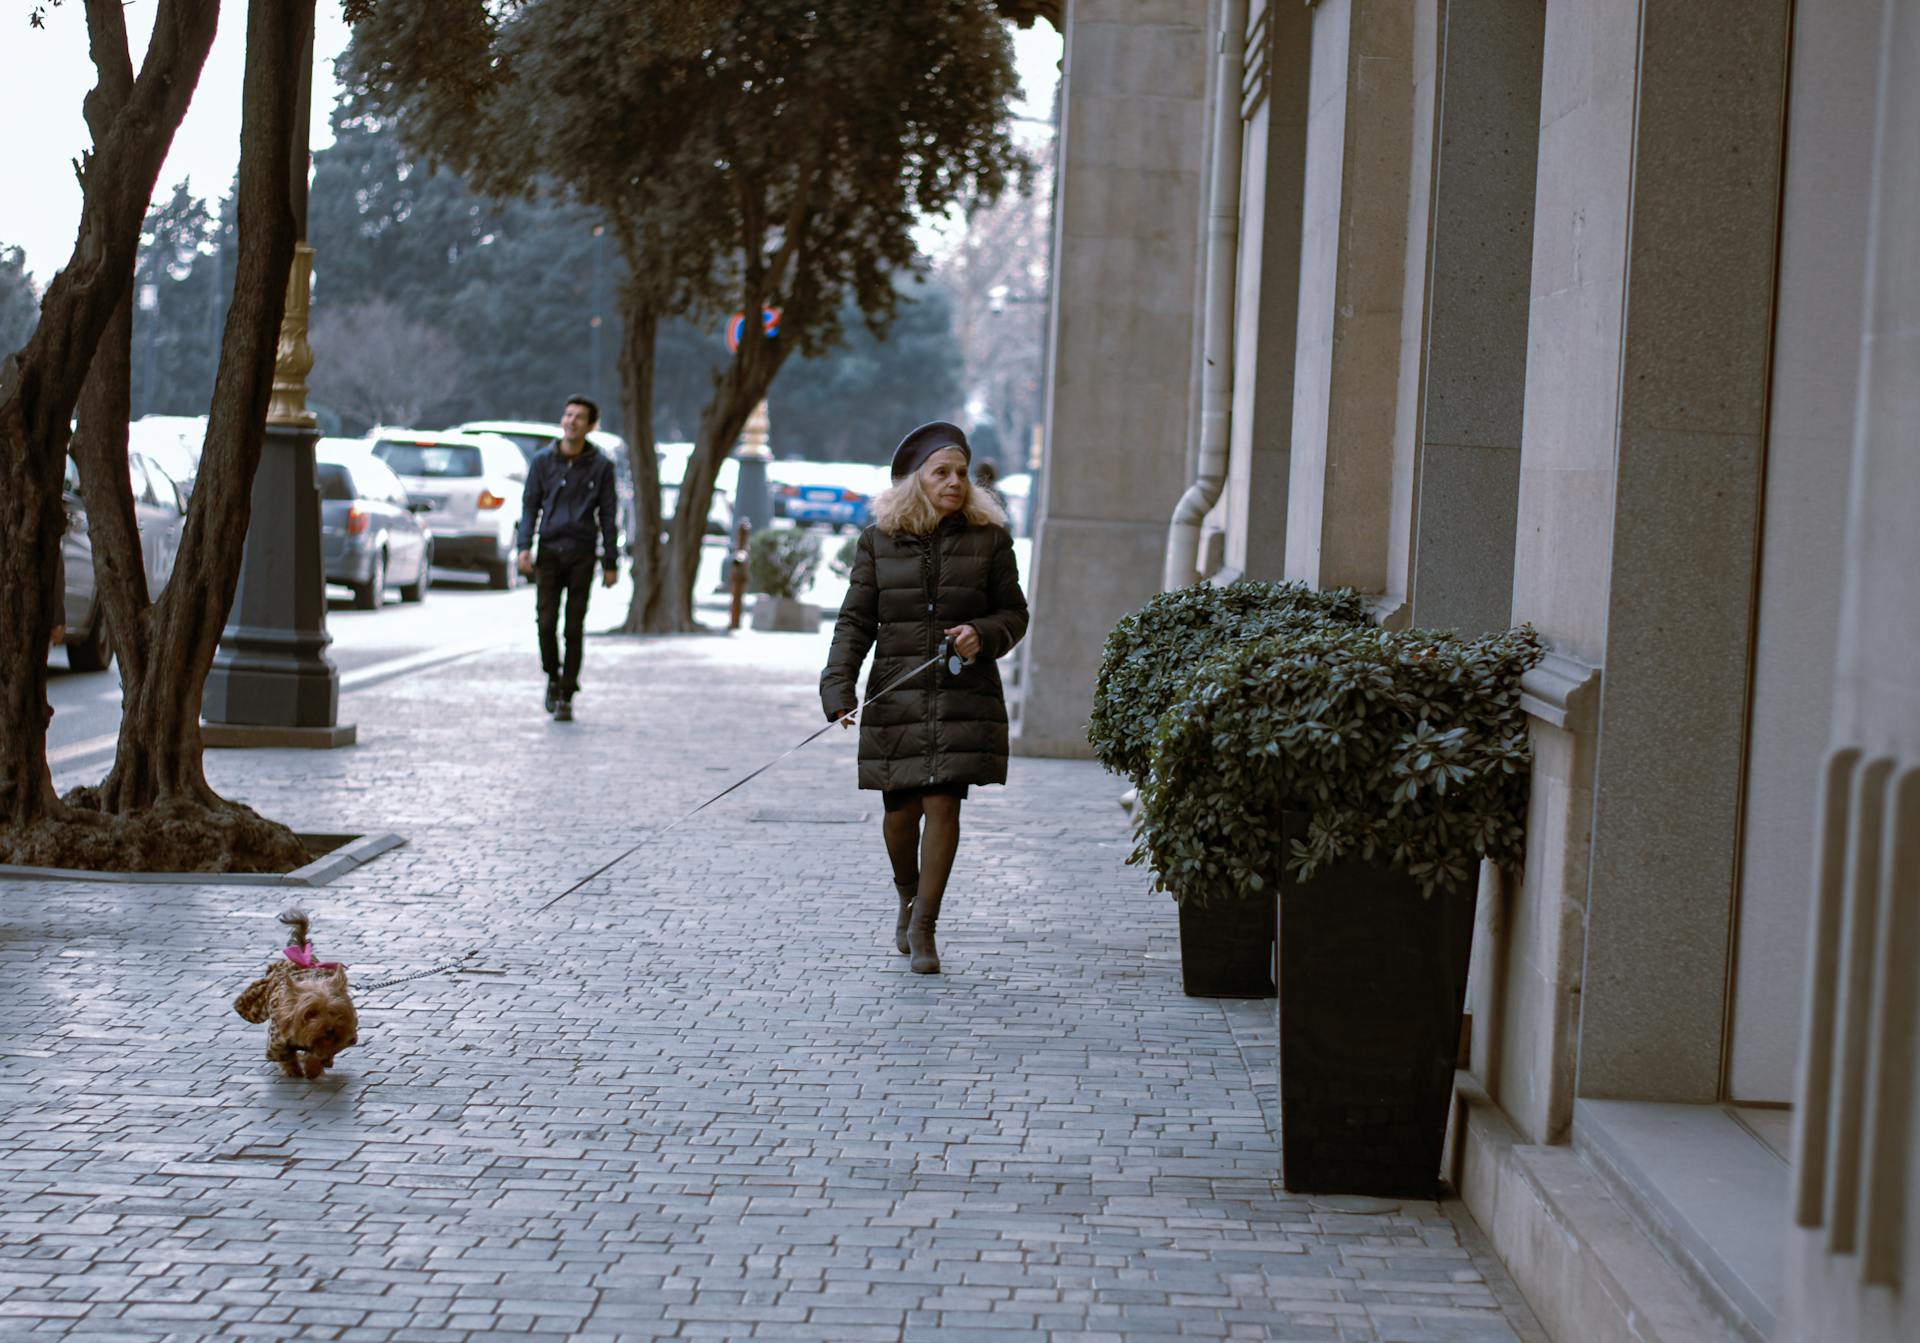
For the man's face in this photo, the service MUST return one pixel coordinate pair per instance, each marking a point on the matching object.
(574, 423)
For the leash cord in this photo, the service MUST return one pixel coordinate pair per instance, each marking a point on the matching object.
(898, 681)
(891, 686)
(439, 969)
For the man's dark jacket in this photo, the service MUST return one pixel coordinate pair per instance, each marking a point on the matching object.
(562, 498)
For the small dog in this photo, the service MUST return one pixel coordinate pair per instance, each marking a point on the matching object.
(305, 1004)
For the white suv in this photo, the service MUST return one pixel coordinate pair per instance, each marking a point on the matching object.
(471, 485)
(530, 436)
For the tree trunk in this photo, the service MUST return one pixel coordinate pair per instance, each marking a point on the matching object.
(106, 398)
(31, 523)
(100, 448)
(649, 611)
(741, 387)
(40, 385)
(159, 758)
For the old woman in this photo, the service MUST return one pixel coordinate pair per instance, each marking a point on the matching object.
(935, 570)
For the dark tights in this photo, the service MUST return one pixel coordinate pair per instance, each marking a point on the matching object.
(921, 858)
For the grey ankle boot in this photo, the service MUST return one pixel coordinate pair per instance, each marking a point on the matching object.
(926, 956)
(906, 916)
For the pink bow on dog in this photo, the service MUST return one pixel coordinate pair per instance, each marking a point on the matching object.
(303, 957)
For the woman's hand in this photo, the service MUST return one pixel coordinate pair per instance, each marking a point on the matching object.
(847, 719)
(966, 641)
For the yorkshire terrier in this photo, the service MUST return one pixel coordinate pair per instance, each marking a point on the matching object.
(305, 1003)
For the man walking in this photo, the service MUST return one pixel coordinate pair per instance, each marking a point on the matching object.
(570, 493)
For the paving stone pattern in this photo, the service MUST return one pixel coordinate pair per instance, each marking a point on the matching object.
(701, 1097)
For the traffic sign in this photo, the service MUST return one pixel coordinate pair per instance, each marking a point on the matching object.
(737, 327)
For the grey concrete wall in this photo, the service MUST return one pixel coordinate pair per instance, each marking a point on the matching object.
(1854, 1261)
(1816, 376)
(1698, 321)
(1126, 236)
(1269, 310)
(1477, 295)
(1353, 254)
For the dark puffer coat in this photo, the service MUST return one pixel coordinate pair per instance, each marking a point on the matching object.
(905, 592)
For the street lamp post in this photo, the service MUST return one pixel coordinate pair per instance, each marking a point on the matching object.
(272, 683)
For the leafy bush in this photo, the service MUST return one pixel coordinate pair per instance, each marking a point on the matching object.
(841, 565)
(781, 561)
(1151, 653)
(1404, 747)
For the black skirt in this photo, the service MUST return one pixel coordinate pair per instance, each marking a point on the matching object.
(893, 799)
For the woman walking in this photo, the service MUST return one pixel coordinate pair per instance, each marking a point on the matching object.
(936, 565)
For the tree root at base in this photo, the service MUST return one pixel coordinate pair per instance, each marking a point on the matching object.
(175, 835)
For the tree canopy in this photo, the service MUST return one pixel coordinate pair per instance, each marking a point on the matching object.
(761, 154)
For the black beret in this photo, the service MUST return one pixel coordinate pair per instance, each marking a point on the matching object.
(923, 442)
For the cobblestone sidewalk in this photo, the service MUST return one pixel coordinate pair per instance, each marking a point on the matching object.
(701, 1097)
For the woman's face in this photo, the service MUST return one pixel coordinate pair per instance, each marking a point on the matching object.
(944, 477)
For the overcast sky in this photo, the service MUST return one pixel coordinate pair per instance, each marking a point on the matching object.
(44, 74)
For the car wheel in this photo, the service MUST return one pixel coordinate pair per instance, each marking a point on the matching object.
(501, 575)
(416, 591)
(95, 651)
(372, 594)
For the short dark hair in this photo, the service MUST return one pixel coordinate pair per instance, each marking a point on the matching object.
(593, 408)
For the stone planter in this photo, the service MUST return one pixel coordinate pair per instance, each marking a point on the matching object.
(1226, 948)
(785, 615)
(1373, 978)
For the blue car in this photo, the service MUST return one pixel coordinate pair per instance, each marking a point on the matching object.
(825, 494)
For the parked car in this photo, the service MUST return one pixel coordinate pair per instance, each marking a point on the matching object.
(471, 485)
(829, 494)
(172, 442)
(531, 436)
(371, 531)
(673, 459)
(158, 513)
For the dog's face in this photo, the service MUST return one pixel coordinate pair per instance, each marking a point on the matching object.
(320, 1020)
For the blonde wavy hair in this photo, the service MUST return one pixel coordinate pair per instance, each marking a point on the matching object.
(905, 507)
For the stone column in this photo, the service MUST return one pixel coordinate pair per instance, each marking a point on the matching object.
(1352, 275)
(1648, 346)
(1280, 41)
(1467, 463)
(1689, 452)
(1126, 242)
(1854, 1258)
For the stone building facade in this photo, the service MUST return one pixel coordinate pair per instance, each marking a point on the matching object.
(1604, 316)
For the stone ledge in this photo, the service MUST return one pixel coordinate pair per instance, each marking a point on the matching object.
(1562, 692)
(1588, 1269)
(254, 735)
(353, 851)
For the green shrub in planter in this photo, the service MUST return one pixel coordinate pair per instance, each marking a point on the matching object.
(1406, 748)
(1152, 652)
(782, 561)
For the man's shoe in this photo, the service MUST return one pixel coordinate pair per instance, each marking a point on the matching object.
(563, 711)
(553, 693)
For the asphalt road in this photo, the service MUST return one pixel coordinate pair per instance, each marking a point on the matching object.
(459, 616)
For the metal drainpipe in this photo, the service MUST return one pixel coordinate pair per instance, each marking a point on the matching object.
(1223, 258)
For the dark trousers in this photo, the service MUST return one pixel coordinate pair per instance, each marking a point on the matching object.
(556, 573)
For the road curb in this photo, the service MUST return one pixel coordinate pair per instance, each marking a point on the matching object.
(355, 851)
